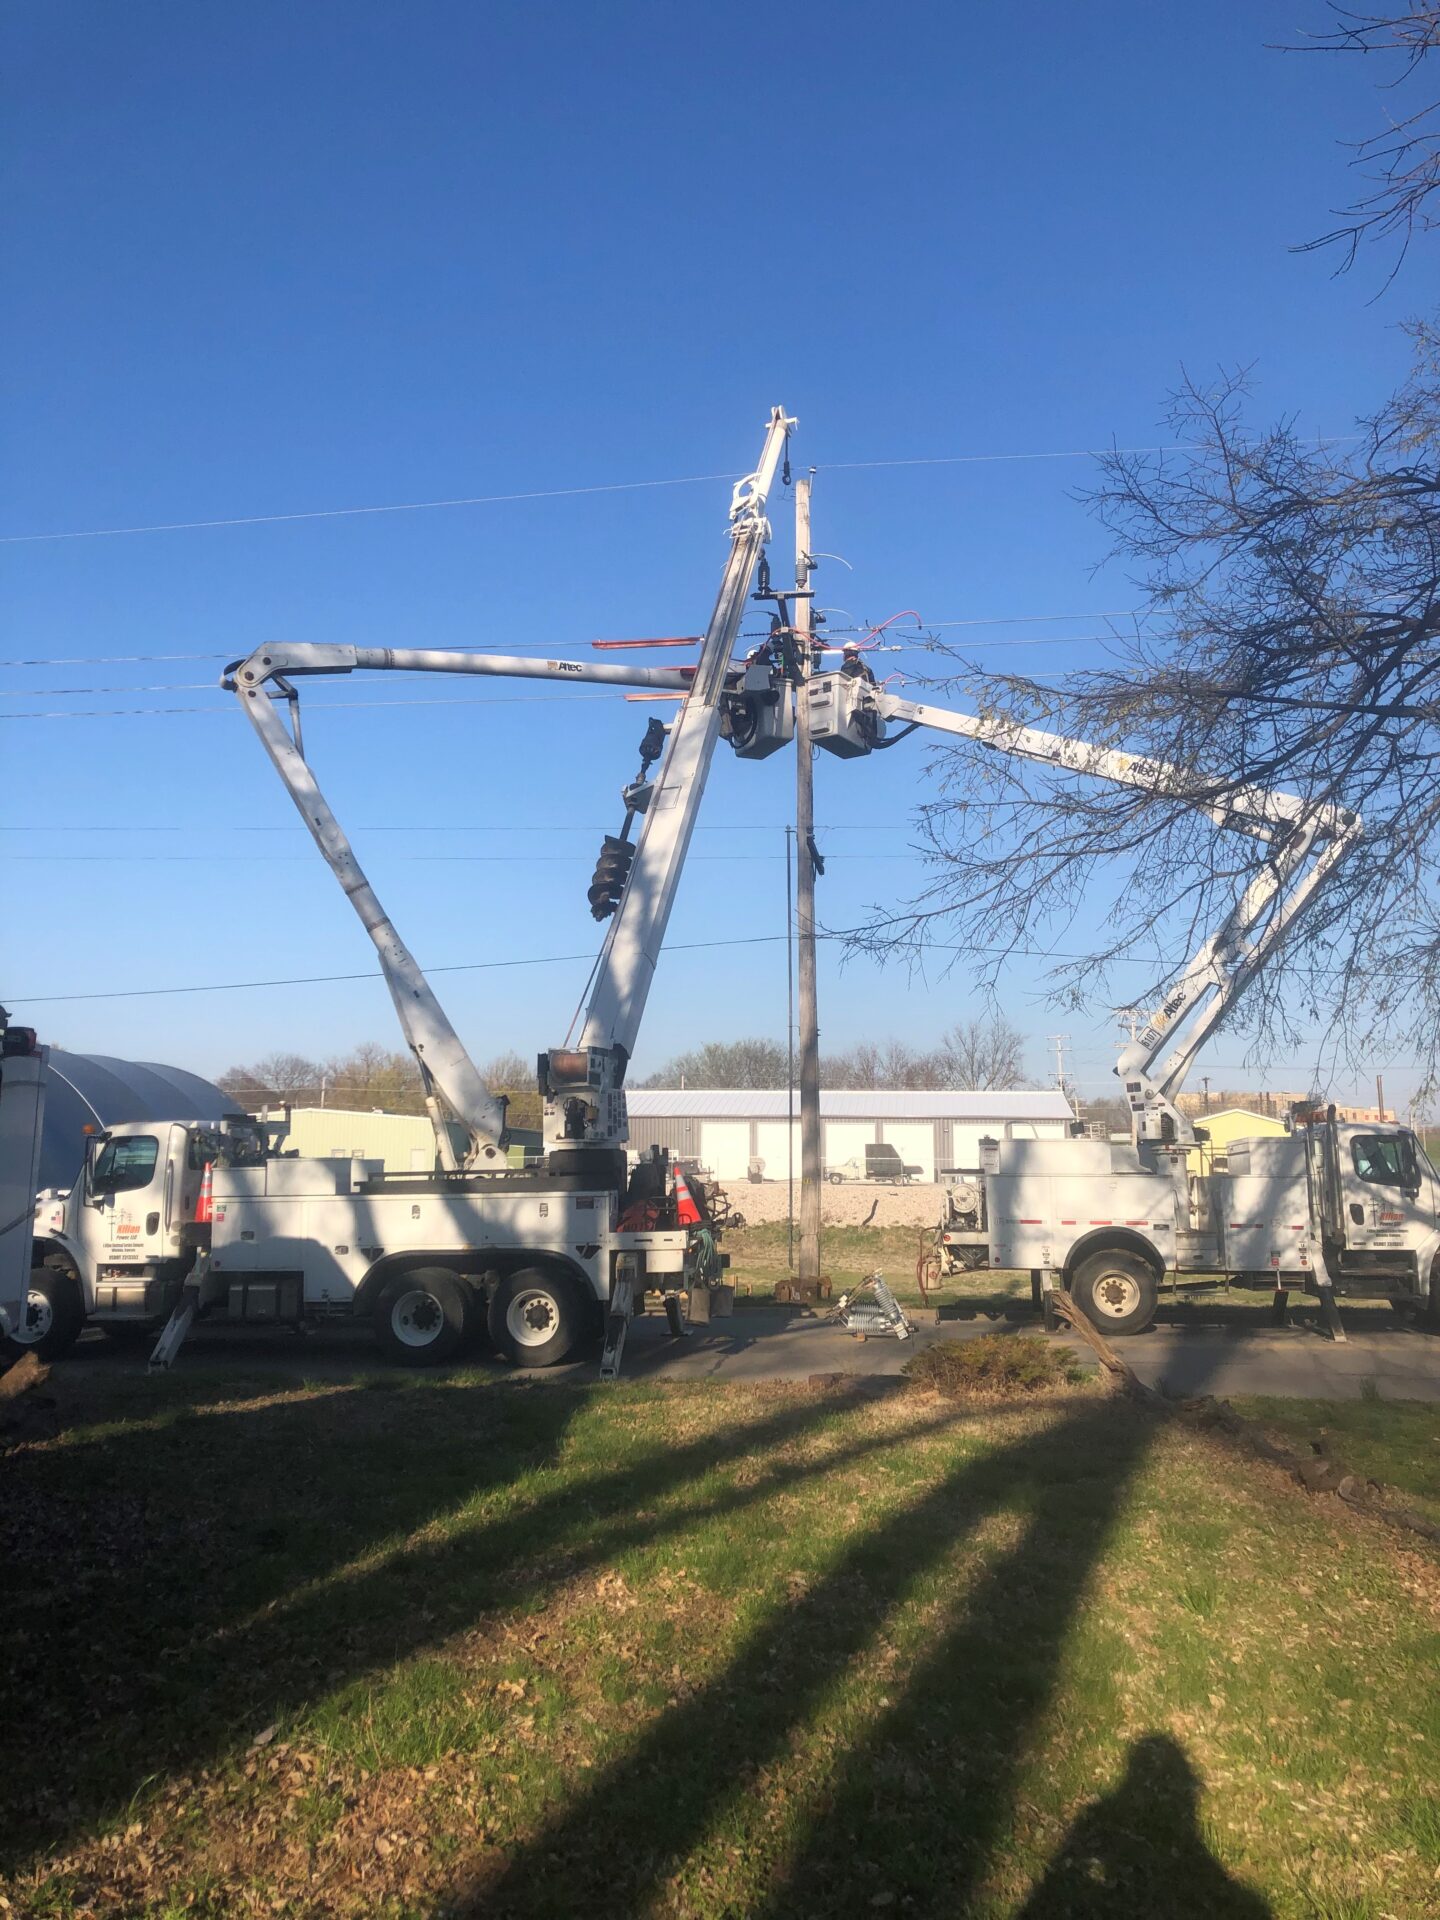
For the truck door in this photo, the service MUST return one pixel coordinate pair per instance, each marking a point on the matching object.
(1388, 1191)
(124, 1188)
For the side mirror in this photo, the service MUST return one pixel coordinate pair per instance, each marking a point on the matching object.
(88, 1195)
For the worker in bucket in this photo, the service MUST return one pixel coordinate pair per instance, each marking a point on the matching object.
(853, 666)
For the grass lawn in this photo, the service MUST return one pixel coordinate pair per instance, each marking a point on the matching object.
(848, 1254)
(464, 1645)
(1394, 1441)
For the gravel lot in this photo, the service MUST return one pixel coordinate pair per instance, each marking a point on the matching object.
(844, 1206)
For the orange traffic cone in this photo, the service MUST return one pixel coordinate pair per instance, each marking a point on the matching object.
(205, 1205)
(686, 1211)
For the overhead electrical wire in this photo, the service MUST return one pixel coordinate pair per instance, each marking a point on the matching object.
(486, 966)
(567, 493)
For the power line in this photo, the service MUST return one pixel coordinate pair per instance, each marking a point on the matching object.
(568, 493)
(453, 833)
(313, 706)
(546, 648)
(350, 513)
(544, 960)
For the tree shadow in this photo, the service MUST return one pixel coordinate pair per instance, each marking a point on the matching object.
(157, 1618)
(914, 1807)
(1140, 1850)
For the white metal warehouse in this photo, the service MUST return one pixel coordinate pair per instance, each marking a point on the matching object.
(726, 1128)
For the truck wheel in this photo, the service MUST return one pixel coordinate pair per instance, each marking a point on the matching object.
(53, 1315)
(836, 1179)
(537, 1317)
(1430, 1307)
(421, 1318)
(1116, 1292)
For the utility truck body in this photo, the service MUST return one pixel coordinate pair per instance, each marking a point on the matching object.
(1330, 1208)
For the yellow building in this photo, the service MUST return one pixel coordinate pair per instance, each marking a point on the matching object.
(1232, 1123)
(404, 1141)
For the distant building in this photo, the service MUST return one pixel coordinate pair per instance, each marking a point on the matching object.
(1277, 1104)
(404, 1141)
(1235, 1123)
(725, 1129)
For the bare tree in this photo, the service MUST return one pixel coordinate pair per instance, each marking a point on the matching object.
(983, 1053)
(273, 1080)
(1300, 585)
(1402, 161)
(726, 1063)
(509, 1074)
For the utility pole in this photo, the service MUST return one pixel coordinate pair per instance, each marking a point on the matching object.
(790, 1048)
(1060, 1041)
(811, 1172)
(1379, 1098)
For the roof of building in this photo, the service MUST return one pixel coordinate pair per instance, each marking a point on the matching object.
(92, 1089)
(744, 1103)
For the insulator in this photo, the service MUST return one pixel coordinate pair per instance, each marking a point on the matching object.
(612, 870)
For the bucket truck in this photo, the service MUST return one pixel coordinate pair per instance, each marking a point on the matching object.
(542, 1256)
(1330, 1208)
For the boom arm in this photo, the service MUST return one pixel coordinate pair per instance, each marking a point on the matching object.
(585, 1101)
(1304, 843)
(454, 1090)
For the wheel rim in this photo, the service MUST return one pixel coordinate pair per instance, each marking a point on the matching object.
(39, 1318)
(532, 1317)
(417, 1318)
(1116, 1295)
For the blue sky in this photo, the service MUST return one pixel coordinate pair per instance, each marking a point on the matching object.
(271, 260)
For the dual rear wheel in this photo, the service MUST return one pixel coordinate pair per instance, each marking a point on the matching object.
(535, 1317)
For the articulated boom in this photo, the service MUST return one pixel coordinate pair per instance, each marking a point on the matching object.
(585, 1104)
(1303, 842)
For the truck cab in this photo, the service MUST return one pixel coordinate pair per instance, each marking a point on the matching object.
(1381, 1208)
(116, 1247)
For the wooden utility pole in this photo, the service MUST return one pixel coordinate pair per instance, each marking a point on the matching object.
(811, 1171)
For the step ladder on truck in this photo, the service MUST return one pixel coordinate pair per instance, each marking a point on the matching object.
(541, 1256)
(1331, 1209)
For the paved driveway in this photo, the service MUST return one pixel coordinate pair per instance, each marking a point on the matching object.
(1298, 1360)
(770, 1344)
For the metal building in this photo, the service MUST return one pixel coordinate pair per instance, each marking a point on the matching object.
(725, 1129)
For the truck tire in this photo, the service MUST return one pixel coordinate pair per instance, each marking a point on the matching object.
(1117, 1292)
(54, 1315)
(1430, 1306)
(422, 1317)
(836, 1179)
(538, 1317)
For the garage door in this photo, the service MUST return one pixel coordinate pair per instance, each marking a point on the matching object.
(725, 1147)
(770, 1143)
(914, 1140)
(847, 1140)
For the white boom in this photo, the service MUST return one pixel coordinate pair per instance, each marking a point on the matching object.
(582, 1084)
(585, 1097)
(1304, 842)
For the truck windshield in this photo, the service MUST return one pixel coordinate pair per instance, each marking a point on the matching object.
(125, 1164)
(1385, 1160)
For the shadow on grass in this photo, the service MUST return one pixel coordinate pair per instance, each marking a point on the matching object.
(1140, 1850)
(915, 1803)
(166, 1603)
